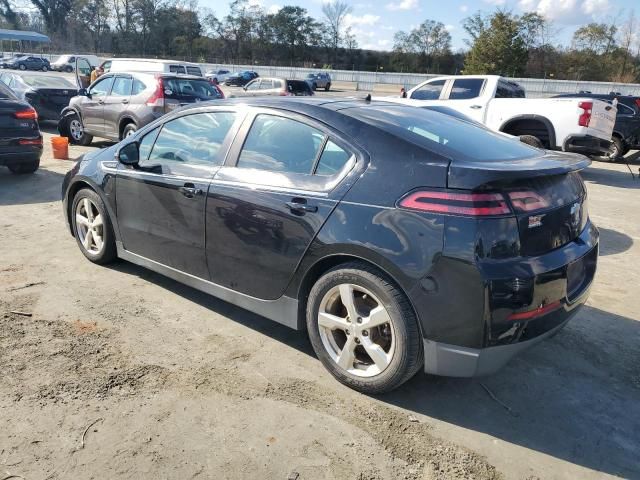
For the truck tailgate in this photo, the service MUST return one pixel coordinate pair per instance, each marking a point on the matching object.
(603, 118)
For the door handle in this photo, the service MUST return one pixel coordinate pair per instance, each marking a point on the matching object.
(100, 102)
(125, 101)
(189, 190)
(475, 107)
(300, 205)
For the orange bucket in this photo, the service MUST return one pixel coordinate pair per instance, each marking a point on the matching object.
(60, 146)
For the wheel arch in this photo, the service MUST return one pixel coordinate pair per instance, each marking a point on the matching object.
(124, 121)
(77, 185)
(514, 121)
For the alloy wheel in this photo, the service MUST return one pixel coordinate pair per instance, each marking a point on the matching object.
(89, 226)
(75, 129)
(356, 330)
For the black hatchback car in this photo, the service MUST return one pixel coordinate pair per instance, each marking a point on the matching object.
(399, 238)
(20, 137)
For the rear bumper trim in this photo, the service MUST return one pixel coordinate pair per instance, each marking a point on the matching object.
(454, 361)
(587, 144)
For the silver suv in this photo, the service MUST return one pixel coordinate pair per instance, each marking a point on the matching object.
(319, 80)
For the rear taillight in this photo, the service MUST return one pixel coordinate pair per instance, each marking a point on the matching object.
(469, 204)
(29, 114)
(585, 116)
(157, 99)
(538, 312)
(30, 141)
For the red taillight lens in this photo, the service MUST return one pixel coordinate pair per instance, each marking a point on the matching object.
(585, 116)
(29, 114)
(527, 201)
(30, 141)
(454, 203)
(538, 312)
(157, 99)
(219, 91)
(637, 100)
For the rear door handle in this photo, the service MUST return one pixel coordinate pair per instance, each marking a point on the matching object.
(189, 190)
(125, 101)
(300, 205)
(100, 102)
(475, 107)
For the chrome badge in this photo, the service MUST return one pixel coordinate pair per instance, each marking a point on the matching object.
(535, 221)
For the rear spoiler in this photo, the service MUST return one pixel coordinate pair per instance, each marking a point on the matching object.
(470, 175)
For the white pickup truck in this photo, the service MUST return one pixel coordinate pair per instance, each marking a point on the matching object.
(582, 125)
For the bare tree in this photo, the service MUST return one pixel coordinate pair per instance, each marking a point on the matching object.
(335, 13)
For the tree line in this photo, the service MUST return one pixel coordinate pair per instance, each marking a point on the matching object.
(499, 42)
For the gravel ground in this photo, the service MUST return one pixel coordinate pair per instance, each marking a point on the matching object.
(121, 373)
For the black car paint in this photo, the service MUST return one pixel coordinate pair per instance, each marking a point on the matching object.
(240, 79)
(13, 130)
(48, 101)
(451, 268)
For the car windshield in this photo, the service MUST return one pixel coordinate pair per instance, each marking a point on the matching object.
(190, 90)
(444, 134)
(46, 81)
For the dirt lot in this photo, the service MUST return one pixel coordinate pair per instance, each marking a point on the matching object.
(121, 373)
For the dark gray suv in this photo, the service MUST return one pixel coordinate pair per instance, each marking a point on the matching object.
(117, 104)
(319, 80)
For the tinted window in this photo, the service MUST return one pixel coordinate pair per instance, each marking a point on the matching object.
(101, 87)
(194, 71)
(192, 140)
(429, 91)
(298, 86)
(255, 85)
(466, 88)
(46, 81)
(624, 110)
(444, 134)
(176, 69)
(281, 145)
(122, 87)
(106, 66)
(138, 87)
(189, 90)
(71, 59)
(333, 159)
(266, 84)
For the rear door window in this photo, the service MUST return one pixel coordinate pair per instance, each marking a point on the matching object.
(176, 69)
(194, 71)
(429, 91)
(101, 88)
(138, 87)
(466, 88)
(122, 87)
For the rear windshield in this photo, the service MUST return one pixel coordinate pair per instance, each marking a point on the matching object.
(5, 93)
(444, 134)
(189, 89)
(45, 81)
(297, 86)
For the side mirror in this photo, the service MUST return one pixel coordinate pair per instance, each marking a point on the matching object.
(83, 92)
(129, 154)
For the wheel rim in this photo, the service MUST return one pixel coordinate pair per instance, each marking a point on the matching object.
(356, 330)
(75, 129)
(613, 150)
(129, 132)
(89, 226)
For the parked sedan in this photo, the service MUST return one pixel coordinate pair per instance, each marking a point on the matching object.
(29, 63)
(48, 94)
(118, 104)
(240, 79)
(4, 61)
(20, 137)
(279, 87)
(217, 76)
(398, 238)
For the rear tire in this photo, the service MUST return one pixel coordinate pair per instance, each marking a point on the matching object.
(616, 150)
(22, 66)
(68, 69)
(24, 167)
(531, 140)
(385, 325)
(92, 227)
(45, 68)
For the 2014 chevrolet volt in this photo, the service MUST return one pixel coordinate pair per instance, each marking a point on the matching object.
(399, 238)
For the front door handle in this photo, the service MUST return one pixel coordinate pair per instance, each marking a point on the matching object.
(125, 101)
(189, 190)
(300, 205)
(100, 102)
(475, 107)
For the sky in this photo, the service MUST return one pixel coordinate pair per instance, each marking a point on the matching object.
(375, 22)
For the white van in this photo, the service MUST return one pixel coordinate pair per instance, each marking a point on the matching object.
(150, 65)
(67, 63)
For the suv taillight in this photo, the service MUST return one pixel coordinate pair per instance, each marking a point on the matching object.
(29, 114)
(585, 116)
(157, 99)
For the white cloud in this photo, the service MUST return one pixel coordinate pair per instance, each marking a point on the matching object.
(449, 28)
(569, 12)
(273, 9)
(464, 8)
(366, 19)
(403, 5)
(497, 3)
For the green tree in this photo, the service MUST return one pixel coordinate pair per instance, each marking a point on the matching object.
(429, 42)
(498, 48)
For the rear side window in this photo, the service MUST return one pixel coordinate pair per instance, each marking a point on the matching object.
(266, 84)
(138, 87)
(506, 90)
(332, 160)
(466, 88)
(429, 91)
(297, 86)
(194, 71)
(624, 110)
(121, 87)
(189, 90)
(280, 144)
(444, 134)
(192, 141)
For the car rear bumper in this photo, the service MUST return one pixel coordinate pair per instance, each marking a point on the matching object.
(586, 144)
(16, 154)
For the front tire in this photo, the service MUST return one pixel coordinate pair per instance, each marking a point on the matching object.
(129, 129)
(327, 87)
(363, 329)
(45, 68)
(68, 69)
(531, 140)
(74, 130)
(22, 66)
(92, 227)
(24, 167)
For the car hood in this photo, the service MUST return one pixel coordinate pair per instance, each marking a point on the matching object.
(467, 174)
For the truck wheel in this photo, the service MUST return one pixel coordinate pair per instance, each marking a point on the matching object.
(616, 150)
(531, 140)
(24, 167)
(363, 329)
(327, 87)
(68, 69)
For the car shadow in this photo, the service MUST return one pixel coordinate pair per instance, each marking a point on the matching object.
(613, 242)
(39, 187)
(613, 178)
(575, 397)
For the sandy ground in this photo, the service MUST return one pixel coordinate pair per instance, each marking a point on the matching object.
(121, 373)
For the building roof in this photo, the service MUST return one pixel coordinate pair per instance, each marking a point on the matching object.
(23, 35)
